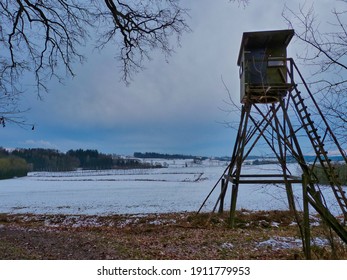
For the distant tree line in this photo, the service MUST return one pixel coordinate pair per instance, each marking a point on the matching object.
(46, 159)
(11, 166)
(91, 159)
(19, 162)
(166, 156)
(132, 163)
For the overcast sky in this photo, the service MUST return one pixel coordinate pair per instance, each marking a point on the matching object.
(170, 107)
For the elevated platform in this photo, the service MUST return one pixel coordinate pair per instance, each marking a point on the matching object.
(260, 93)
(264, 179)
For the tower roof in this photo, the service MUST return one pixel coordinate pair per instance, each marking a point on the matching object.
(263, 39)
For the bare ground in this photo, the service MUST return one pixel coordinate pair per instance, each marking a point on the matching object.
(257, 235)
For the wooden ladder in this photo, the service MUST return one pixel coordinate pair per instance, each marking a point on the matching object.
(318, 146)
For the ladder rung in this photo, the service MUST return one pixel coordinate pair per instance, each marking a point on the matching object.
(299, 102)
(312, 130)
(296, 95)
(319, 150)
(302, 109)
(307, 124)
(324, 152)
(299, 99)
(319, 145)
(306, 116)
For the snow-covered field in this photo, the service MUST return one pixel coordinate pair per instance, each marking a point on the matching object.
(182, 186)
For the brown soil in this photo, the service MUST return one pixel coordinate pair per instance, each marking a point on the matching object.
(257, 235)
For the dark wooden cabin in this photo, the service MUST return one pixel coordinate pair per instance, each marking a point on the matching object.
(263, 65)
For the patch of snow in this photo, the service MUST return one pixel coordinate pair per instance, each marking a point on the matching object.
(127, 222)
(227, 246)
(156, 222)
(320, 242)
(163, 222)
(246, 212)
(281, 243)
(278, 243)
(275, 224)
(315, 224)
(74, 221)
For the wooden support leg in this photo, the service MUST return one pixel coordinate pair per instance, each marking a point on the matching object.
(290, 197)
(222, 196)
(234, 192)
(306, 225)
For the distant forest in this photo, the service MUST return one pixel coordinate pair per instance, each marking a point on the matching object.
(166, 156)
(19, 162)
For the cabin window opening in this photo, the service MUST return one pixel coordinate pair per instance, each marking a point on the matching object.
(276, 62)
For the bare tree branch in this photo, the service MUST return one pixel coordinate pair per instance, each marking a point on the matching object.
(44, 38)
(325, 49)
(142, 27)
(244, 3)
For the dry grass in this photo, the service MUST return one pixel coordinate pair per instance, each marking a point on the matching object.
(257, 235)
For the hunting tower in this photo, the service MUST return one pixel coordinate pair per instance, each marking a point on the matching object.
(275, 113)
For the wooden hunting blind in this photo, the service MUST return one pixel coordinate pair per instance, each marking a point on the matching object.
(268, 76)
(262, 61)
